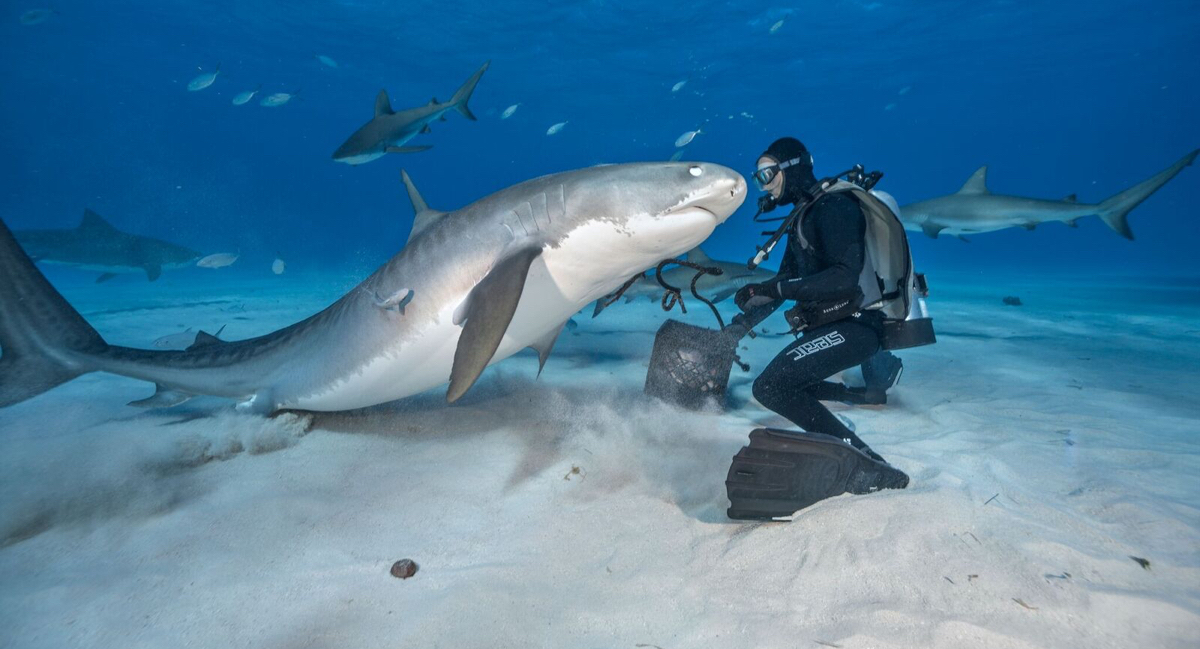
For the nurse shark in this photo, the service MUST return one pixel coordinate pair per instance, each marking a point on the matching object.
(471, 287)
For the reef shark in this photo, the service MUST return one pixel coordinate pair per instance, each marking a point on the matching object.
(471, 287)
(713, 287)
(975, 209)
(96, 245)
(388, 130)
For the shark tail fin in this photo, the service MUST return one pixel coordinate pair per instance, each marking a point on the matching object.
(1115, 210)
(44, 342)
(464, 93)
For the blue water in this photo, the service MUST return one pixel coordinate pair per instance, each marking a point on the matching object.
(1058, 98)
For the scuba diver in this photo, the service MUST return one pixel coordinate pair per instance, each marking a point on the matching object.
(847, 268)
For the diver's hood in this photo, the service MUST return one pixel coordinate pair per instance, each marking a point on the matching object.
(796, 178)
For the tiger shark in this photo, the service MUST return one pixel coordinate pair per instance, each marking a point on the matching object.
(975, 209)
(96, 245)
(471, 287)
(389, 131)
(716, 288)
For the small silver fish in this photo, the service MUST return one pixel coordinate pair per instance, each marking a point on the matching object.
(204, 80)
(36, 16)
(218, 260)
(686, 138)
(245, 96)
(677, 155)
(278, 266)
(326, 60)
(179, 340)
(508, 112)
(276, 99)
(776, 26)
(556, 128)
(679, 86)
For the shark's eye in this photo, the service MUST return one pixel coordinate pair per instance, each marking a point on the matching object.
(695, 170)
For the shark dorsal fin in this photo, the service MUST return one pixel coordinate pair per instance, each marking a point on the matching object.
(205, 339)
(383, 106)
(1071, 199)
(433, 102)
(424, 217)
(977, 183)
(93, 221)
(697, 256)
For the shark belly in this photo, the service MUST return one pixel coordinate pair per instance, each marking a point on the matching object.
(591, 262)
(361, 158)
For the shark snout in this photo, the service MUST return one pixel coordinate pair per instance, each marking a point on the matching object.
(719, 191)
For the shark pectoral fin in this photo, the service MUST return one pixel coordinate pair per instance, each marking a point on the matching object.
(489, 310)
(407, 149)
(204, 339)
(599, 307)
(153, 271)
(104, 277)
(162, 398)
(1071, 199)
(963, 239)
(1072, 223)
(426, 129)
(1029, 226)
(382, 105)
(442, 118)
(931, 230)
(544, 344)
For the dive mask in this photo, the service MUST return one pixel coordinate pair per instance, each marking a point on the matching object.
(764, 175)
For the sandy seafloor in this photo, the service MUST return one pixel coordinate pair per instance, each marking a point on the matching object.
(1076, 415)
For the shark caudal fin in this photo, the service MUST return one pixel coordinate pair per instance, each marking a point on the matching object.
(464, 93)
(43, 340)
(1115, 210)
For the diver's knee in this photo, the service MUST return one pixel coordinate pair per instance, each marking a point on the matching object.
(765, 389)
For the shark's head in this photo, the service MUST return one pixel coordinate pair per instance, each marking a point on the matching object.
(359, 149)
(659, 207)
(628, 217)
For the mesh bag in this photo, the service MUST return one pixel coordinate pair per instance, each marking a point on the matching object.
(690, 365)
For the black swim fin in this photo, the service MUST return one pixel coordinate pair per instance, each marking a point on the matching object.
(782, 472)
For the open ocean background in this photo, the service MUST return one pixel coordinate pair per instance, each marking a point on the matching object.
(1058, 98)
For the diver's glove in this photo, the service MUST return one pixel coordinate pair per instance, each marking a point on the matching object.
(756, 295)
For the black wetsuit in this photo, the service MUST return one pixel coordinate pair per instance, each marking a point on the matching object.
(793, 384)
